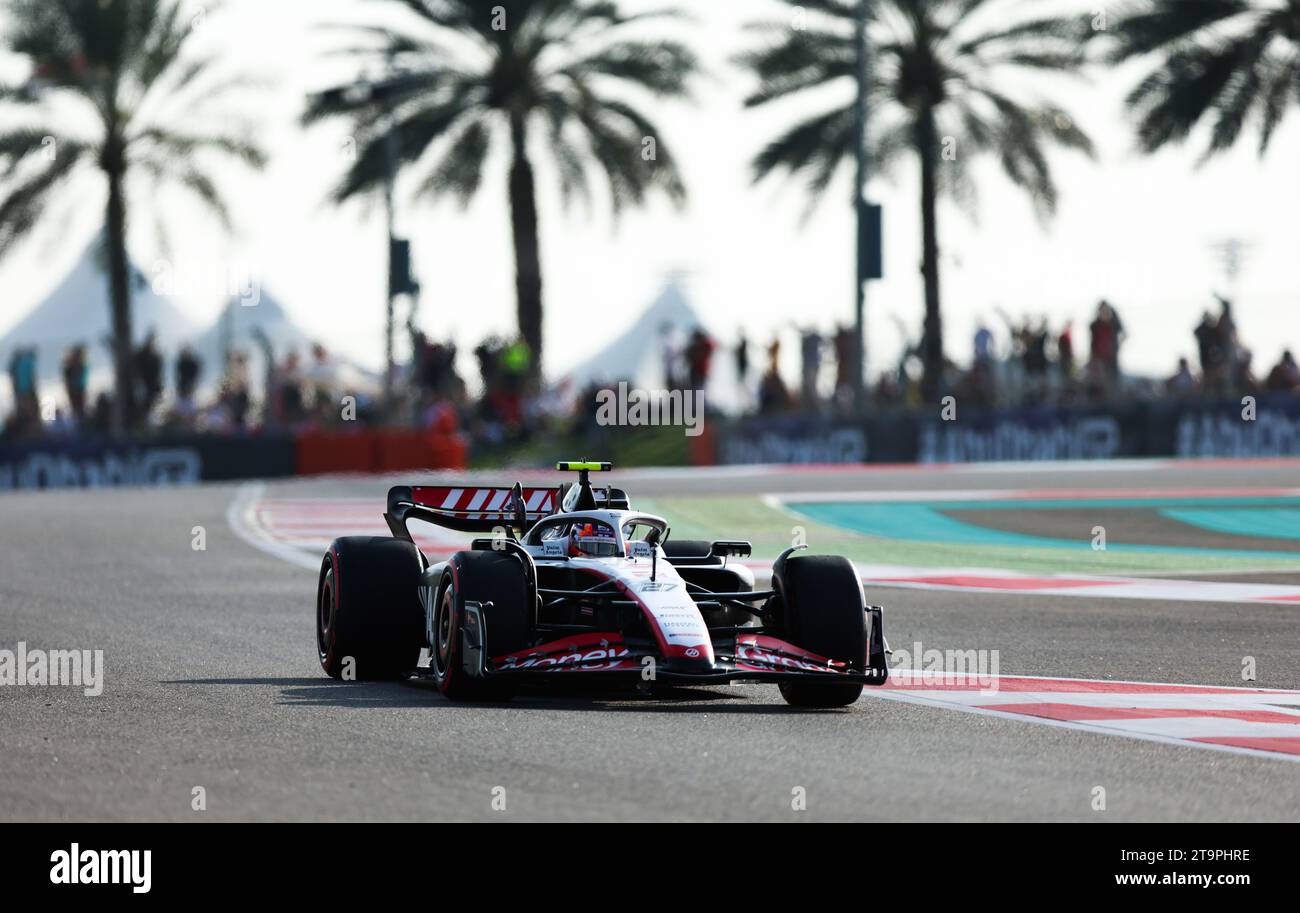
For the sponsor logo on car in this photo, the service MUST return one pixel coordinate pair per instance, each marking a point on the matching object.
(749, 652)
(594, 657)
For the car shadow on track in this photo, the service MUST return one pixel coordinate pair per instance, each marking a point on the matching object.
(325, 692)
(745, 700)
(413, 693)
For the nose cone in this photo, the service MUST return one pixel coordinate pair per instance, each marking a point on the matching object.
(692, 660)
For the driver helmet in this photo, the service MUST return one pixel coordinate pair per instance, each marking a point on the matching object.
(594, 540)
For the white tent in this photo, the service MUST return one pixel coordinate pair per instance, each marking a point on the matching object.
(242, 328)
(77, 311)
(637, 355)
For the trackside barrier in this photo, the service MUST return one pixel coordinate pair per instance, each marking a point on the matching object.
(378, 450)
(1268, 426)
(189, 459)
(703, 448)
(170, 460)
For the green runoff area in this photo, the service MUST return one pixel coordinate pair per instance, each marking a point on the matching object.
(1231, 535)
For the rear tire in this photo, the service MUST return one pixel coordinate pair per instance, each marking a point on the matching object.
(822, 610)
(369, 621)
(482, 577)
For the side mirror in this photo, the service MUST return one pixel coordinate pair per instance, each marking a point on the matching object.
(731, 548)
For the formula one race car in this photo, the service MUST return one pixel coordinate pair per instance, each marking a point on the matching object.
(575, 585)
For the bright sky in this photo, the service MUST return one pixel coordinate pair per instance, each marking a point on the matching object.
(1136, 230)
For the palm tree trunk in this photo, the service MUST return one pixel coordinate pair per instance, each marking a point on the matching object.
(120, 290)
(927, 147)
(528, 266)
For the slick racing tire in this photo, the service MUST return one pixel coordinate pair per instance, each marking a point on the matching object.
(369, 621)
(822, 611)
(482, 577)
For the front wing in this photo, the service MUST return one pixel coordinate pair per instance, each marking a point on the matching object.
(743, 655)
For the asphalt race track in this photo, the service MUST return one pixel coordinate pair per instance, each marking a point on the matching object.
(212, 680)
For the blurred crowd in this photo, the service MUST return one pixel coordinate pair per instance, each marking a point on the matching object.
(430, 393)
(172, 397)
(766, 392)
(1028, 363)
(290, 392)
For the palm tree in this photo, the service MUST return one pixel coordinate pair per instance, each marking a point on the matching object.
(1221, 60)
(474, 73)
(107, 78)
(935, 92)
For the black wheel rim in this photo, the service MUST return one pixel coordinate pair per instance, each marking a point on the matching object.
(442, 632)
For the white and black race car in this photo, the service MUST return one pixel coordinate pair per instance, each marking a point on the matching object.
(574, 585)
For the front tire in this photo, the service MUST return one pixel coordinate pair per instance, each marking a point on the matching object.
(369, 621)
(483, 577)
(822, 610)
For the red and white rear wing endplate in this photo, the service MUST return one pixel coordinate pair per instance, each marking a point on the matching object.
(477, 503)
(470, 508)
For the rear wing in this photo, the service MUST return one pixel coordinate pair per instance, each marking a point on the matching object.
(468, 508)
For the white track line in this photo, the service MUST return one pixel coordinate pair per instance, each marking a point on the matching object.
(1147, 730)
(242, 520)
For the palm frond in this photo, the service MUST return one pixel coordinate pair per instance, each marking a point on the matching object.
(381, 42)
(415, 87)
(1281, 82)
(203, 187)
(461, 170)
(1018, 142)
(182, 147)
(159, 31)
(839, 9)
(1172, 99)
(1163, 24)
(615, 145)
(810, 140)
(415, 132)
(569, 161)
(1054, 31)
(24, 203)
(1240, 96)
(1219, 61)
(662, 68)
(804, 60)
(23, 143)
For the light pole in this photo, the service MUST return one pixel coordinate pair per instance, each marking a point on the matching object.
(861, 214)
(382, 93)
(392, 153)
